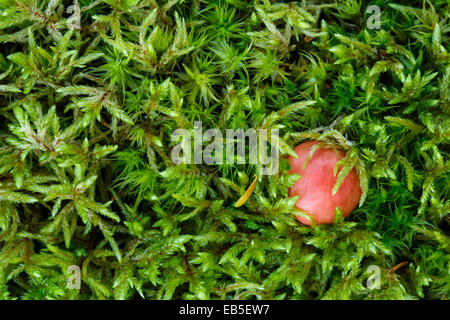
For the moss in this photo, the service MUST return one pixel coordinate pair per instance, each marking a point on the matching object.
(88, 102)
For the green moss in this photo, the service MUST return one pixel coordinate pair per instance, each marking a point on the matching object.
(86, 176)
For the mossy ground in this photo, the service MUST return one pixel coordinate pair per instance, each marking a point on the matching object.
(89, 100)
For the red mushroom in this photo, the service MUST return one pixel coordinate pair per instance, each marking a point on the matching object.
(315, 186)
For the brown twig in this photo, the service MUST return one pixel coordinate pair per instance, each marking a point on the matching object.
(400, 265)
